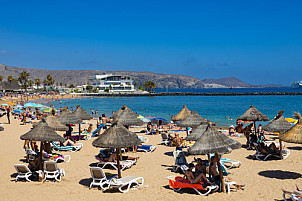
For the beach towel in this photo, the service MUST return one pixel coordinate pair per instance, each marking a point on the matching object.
(178, 182)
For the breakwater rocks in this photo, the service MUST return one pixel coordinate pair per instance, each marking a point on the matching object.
(192, 94)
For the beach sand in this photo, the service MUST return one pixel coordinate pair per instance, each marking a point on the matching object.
(264, 178)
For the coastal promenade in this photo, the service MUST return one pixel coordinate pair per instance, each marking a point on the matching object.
(192, 94)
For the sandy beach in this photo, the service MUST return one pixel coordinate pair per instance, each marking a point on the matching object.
(264, 178)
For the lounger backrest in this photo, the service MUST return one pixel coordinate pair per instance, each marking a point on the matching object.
(50, 166)
(164, 136)
(180, 157)
(97, 172)
(21, 168)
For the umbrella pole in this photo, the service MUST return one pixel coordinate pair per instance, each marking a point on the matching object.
(255, 128)
(118, 163)
(280, 141)
(209, 161)
(79, 132)
(220, 172)
(40, 156)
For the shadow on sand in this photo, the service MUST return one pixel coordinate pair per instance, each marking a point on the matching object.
(295, 148)
(85, 182)
(279, 174)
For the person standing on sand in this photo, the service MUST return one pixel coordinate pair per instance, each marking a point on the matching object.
(92, 112)
(8, 114)
(104, 120)
(96, 113)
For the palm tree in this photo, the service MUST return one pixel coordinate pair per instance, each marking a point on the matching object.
(149, 85)
(1, 78)
(10, 79)
(49, 78)
(37, 82)
(23, 79)
(45, 82)
(30, 83)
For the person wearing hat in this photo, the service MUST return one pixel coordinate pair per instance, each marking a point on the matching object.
(232, 130)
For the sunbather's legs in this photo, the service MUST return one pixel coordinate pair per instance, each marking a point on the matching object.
(199, 178)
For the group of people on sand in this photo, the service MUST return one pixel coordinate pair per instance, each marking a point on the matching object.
(199, 175)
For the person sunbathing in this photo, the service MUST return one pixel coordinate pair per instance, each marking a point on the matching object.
(271, 149)
(297, 192)
(216, 176)
(69, 142)
(113, 158)
(200, 168)
(195, 179)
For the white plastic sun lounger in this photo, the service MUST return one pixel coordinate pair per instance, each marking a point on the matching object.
(99, 178)
(51, 171)
(124, 164)
(143, 139)
(125, 182)
(231, 163)
(180, 161)
(74, 148)
(293, 197)
(164, 139)
(263, 157)
(23, 172)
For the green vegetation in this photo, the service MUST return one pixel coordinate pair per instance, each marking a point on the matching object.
(141, 88)
(149, 85)
(23, 79)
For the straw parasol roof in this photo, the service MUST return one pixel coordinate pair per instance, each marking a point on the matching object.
(82, 114)
(278, 124)
(252, 114)
(212, 141)
(67, 117)
(197, 132)
(193, 120)
(55, 123)
(42, 132)
(127, 118)
(182, 114)
(117, 136)
(294, 135)
(123, 108)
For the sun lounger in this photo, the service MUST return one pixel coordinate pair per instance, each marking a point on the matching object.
(76, 137)
(230, 163)
(124, 164)
(74, 148)
(99, 178)
(292, 197)
(165, 139)
(143, 139)
(127, 182)
(23, 172)
(262, 156)
(146, 148)
(180, 161)
(57, 158)
(177, 183)
(51, 171)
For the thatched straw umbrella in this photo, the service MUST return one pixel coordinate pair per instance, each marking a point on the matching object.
(212, 141)
(127, 118)
(193, 120)
(252, 114)
(123, 108)
(55, 124)
(42, 132)
(197, 132)
(280, 125)
(117, 137)
(294, 135)
(83, 115)
(184, 112)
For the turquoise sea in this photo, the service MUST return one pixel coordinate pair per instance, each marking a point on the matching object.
(214, 108)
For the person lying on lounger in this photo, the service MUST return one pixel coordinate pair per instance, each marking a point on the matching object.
(69, 142)
(297, 192)
(113, 158)
(195, 180)
(271, 149)
(216, 177)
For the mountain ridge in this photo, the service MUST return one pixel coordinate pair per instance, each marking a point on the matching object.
(162, 80)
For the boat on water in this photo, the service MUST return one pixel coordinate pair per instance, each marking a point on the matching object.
(297, 85)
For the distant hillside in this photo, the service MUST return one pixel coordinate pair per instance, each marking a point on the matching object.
(228, 82)
(235, 82)
(162, 80)
(80, 77)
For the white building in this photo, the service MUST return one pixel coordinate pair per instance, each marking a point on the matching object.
(115, 83)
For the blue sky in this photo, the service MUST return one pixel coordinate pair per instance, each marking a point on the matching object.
(258, 41)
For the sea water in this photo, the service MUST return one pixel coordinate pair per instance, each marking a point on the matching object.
(224, 110)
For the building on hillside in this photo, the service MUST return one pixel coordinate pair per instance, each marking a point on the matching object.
(114, 83)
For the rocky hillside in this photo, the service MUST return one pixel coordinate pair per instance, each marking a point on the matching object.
(80, 77)
(228, 82)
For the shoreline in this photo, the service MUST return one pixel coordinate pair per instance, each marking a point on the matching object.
(192, 94)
